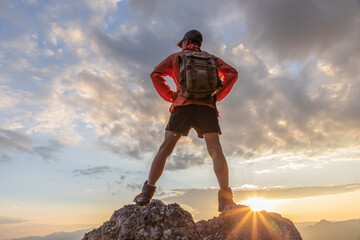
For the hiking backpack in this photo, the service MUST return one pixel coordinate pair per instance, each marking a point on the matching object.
(199, 77)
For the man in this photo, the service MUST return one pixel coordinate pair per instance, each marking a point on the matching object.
(201, 114)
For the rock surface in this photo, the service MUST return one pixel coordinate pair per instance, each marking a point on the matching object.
(160, 221)
(241, 223)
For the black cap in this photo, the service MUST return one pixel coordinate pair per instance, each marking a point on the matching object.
(193, 35)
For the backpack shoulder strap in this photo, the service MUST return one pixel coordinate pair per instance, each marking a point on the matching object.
(212, 56)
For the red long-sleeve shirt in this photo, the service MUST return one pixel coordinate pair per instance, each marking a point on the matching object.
(170, 67)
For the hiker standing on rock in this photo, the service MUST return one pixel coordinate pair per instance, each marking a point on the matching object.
(201, 80)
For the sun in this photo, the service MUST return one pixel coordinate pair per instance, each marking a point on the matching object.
(257, 204)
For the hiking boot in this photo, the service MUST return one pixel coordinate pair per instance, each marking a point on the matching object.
(225, 199)
(146, 195)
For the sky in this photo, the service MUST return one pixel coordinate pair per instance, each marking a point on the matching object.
(80, 120)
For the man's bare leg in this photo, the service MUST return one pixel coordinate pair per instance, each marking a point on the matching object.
(219, 162)
(225, 196)
(166, 148)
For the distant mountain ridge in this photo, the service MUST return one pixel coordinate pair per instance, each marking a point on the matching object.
(323, 230)
(326, 230)
(76, 235)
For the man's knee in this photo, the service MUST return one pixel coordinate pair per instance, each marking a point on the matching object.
(215, 151)
(166, 148)
(169, 143)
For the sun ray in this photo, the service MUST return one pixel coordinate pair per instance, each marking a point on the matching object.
(254, 227)
(242, 222)
(257, 204)
(240, 209)
(271, 229)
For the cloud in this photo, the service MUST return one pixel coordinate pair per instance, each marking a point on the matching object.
(134, 186)
(184, 158)
(141, 42)
(126, 119)
(11, 220)
(4, 158)
(289, 111)
(267, 192)
(8, 99)
(71, 36)
(295, 30)
(243, 56)
(300, 105)
(94, 171)
(57, 119)
(197, 197)
(47, 152)
(24, 45)
(13, 140)
(133, 52)
(296, 192)
(104, 5)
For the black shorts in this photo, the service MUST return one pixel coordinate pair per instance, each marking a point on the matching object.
(203, 119)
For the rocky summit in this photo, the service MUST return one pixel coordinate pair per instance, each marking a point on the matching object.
(160, 221)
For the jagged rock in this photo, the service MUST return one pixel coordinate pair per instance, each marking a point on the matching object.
(160, 221)
(241, 223)
(154, 221)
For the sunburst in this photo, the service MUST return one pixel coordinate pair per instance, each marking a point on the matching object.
(257, 204)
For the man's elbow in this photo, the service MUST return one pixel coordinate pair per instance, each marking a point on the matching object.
(155, 75)
(235, 74)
